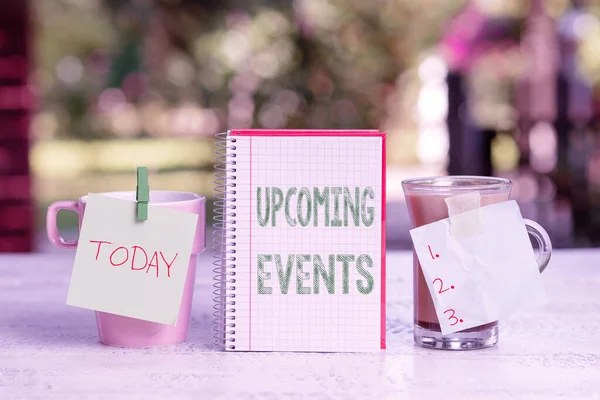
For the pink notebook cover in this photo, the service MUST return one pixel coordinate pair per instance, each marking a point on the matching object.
(252, 151)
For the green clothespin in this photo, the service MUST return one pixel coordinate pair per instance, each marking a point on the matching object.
(142, 194)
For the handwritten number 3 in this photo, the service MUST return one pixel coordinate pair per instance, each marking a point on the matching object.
(452, 316)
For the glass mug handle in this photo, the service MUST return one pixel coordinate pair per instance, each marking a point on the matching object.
(545, 245)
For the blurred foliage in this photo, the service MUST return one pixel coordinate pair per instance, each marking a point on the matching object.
(294, 64)
(172, 68)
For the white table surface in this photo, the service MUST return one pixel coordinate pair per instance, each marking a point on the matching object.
(49, 350)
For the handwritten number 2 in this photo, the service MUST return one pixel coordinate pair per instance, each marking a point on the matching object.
(441, 290)
(456, 320)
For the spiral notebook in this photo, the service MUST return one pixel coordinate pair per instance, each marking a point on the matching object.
(300, 241)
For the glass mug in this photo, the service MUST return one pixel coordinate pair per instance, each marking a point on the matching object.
(425, 202)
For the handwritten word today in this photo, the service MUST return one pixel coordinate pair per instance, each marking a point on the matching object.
(136, 257)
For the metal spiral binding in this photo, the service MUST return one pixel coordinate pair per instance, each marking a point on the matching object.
(224, 241)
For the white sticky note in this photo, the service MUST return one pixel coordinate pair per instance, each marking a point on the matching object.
(128, 267)
(477, 279)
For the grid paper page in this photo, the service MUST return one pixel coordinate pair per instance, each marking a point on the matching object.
(268, 318)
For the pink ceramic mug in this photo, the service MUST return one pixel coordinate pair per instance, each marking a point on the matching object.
(116, 330)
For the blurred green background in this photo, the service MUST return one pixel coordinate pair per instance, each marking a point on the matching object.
(148, 83)
(129, 83)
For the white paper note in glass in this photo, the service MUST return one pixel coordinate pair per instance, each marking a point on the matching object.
(128, 267)
(480, 278)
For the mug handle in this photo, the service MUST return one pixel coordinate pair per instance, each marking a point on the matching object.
(52, 228)
(545, 245)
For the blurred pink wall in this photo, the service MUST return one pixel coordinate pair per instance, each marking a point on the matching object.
(16, 102)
